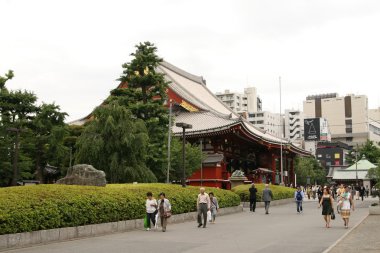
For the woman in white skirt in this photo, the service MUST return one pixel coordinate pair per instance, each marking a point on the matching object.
(346, 206)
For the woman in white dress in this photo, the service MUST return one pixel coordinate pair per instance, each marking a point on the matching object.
(346, 206)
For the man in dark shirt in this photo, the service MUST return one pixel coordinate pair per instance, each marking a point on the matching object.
(252, 198)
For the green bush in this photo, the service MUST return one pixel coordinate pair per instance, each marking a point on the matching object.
(30, 208)
(279, 192)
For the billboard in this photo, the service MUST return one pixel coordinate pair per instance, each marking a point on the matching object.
(312, 128)
(316, 129)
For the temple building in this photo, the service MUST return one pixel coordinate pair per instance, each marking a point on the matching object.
(230, 141)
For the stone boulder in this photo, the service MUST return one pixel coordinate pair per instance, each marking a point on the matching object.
(84, 174)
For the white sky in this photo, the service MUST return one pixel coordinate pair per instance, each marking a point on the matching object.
(70, 52)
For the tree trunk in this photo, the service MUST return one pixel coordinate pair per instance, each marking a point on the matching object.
(15, 159)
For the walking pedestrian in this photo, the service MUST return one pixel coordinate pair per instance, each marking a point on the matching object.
(362, 192)
(320, 193)
(214, 206)
(151, 209)
(327, 206)
(299, 196)
(347, 205)
(308, 191)
(267, 198)
(366, 190)
(203, 205)
(164, 210)
(252, 198)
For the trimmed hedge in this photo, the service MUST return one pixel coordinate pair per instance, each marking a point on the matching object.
(279, 192)
(31, 208)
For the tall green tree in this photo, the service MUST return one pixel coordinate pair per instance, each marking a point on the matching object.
(17, 109)
(49, 131)
(30, 135)
(144, 94)
(309, 167)
(116, 142)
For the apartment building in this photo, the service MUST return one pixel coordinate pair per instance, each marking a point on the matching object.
(247, 102)
(272, 123)
(294, 126)
(347, 116)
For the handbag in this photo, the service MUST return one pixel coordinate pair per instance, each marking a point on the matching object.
(167, 214)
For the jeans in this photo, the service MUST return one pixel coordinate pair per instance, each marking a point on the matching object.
(151, 217)
(202, 210)
(267, 203)
(299, 206)
(252, 205)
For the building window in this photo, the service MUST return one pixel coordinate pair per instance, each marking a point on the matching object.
(349, 139)
(260, 115)
(328, 156)
(348, 130)
(251, 115)
(260, 122)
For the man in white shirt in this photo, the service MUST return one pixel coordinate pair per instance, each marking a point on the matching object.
(203, 205)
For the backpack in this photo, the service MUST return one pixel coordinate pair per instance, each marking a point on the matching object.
(299, 196)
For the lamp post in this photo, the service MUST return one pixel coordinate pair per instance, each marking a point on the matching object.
(184, 126)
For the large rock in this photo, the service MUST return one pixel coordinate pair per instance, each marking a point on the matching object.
(84, 174)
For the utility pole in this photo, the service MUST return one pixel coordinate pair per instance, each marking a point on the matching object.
(169, 141)
(281, 165)
(201, 163)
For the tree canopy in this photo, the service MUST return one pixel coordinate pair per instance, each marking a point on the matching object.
(31, 135)
(115, 142)
(309, 167)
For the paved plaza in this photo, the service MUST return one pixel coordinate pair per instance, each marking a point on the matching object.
(282, 231)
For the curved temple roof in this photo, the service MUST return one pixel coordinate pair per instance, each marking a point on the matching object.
(213, 114)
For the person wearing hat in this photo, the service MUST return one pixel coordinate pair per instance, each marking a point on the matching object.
(252, 198)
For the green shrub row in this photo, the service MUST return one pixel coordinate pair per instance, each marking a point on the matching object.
(279, 192)
(30, 208)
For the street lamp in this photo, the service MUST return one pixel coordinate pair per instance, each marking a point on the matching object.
(184, 126)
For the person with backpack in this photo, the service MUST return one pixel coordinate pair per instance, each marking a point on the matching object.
(299, 196)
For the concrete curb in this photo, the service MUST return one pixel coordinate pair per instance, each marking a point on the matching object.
(345, 235)
(272, 203)
(26, 239)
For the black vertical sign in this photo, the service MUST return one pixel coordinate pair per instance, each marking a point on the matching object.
(312, 129)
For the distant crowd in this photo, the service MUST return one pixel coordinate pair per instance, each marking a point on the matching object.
(208, 207)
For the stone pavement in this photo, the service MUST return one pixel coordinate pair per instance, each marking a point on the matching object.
(283, 230)
(364, 238)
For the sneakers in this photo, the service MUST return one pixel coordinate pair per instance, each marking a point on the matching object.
(147, 229)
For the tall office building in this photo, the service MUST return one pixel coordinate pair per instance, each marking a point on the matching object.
(347, 116)
(247, 102)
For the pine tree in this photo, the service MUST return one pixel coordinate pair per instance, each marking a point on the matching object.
(144, 94)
